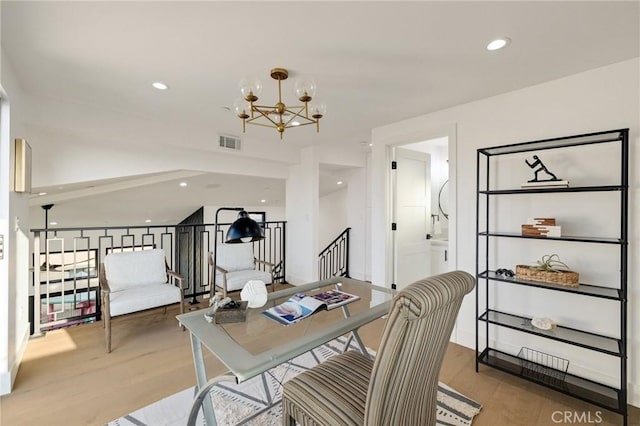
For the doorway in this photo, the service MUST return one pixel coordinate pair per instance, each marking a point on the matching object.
(424, 241)
(412, 208)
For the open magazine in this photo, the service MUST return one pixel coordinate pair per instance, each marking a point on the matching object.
(300, 305)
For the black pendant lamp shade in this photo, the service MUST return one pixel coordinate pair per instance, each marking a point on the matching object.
(244, 230)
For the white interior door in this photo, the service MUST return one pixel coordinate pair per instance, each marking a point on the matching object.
(412, 216)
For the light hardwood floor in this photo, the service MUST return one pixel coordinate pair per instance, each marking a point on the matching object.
(67, 379)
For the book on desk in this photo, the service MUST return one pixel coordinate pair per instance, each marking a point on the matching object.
(301, 305)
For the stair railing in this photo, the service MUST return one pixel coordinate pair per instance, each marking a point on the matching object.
(333, 260)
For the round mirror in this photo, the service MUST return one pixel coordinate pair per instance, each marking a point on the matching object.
(443, 199)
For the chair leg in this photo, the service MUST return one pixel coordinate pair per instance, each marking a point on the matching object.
(224, 286)
(182, 309)
(107, 332)
(106, 317)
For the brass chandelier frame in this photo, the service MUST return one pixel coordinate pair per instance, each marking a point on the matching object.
(280, 116)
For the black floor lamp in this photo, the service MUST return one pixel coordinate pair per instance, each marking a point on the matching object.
(243, 230)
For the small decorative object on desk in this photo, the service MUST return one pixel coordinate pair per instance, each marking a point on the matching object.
(541, 227)
(235, 311)
(225, 310)
(549, 270)
(551, 179)
(255, 293)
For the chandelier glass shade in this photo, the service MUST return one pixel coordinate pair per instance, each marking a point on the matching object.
(279, 116)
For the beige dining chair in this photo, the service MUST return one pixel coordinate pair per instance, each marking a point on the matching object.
(400, 386)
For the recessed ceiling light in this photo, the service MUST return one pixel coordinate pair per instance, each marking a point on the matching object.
(263, 201)
(498, 43)
(147, 221)
(295, 123)
(42, 193)
(53, 223)
(183, 183)
(160, 85)
(339, 182)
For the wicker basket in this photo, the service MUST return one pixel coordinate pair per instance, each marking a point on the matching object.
(566, 278)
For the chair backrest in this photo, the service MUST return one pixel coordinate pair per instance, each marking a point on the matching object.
(404, 380)
(235, 257)
(135, 268)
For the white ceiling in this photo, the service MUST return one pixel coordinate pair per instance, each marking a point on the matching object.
(375, 63)
(161, 199)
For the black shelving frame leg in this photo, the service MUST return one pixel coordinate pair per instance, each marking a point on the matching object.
(624, 203)
(477, 251)
(487, 200)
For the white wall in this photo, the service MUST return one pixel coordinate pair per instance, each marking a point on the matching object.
(332, 217)
(302, 219)
(62, 159)
(63, 156)
(14, 225)
(273, 213)
(596, 100)
(358, 221)
(347, 208)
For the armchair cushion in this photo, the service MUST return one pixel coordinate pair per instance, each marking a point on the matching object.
(235, 257)
(237, 279)
(125, 270)
(143, 297)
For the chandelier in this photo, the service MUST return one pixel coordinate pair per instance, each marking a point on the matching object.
(279, 116)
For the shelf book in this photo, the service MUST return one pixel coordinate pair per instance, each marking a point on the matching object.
(301, 306)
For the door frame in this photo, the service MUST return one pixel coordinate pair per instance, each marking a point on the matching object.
(450, 132)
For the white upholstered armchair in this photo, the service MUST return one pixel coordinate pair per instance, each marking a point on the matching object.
(136, 281)
(235, 266)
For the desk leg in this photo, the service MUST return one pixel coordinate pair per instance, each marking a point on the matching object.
(355, 334)
(201, 380)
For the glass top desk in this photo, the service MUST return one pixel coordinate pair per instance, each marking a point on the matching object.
(258, 344)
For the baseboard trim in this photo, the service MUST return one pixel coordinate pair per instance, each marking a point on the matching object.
(633, 395)
(7, 378)
(464, 338)
(5, 383)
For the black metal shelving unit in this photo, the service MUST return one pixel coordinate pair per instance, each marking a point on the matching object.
(608, 397)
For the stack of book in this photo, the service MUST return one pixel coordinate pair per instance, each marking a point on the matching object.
(541, 227)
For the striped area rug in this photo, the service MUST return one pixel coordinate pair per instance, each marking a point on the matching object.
(256, 402)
